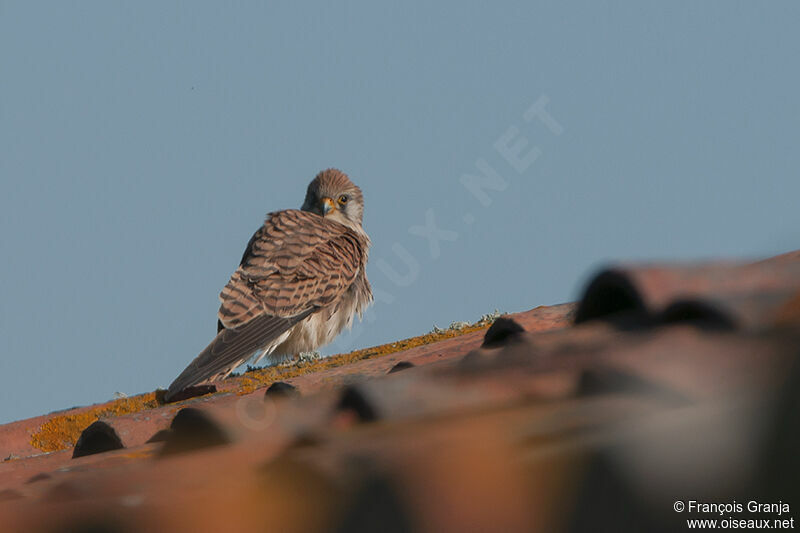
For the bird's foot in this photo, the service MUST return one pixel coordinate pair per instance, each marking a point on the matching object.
(308, 357)
(302, 358)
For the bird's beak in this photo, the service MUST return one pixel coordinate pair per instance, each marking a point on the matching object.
(327, 205)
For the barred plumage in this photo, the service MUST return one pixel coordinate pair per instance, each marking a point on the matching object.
(301, 280)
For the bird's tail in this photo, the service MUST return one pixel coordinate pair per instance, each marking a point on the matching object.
(230, 348)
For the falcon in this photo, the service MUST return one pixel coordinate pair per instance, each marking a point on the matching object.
(300, 282)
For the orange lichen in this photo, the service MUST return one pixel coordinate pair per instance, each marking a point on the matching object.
(261, 377)
(62, 431)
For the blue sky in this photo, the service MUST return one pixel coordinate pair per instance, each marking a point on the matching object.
(141, 144)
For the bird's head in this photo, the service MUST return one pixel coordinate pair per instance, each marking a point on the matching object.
(332, 195)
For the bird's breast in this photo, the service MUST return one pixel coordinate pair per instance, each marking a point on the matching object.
(321, 327)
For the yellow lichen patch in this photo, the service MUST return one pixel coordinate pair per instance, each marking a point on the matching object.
(264, 376)
(62, 431)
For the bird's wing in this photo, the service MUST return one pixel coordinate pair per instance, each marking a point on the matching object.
(295, 261)
(295, 264)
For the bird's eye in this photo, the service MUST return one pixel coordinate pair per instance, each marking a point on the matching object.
(343, 199)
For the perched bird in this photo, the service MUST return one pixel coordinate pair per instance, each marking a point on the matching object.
(300, 282)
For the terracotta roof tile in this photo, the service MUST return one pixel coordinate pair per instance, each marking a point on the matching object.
(675, 382)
